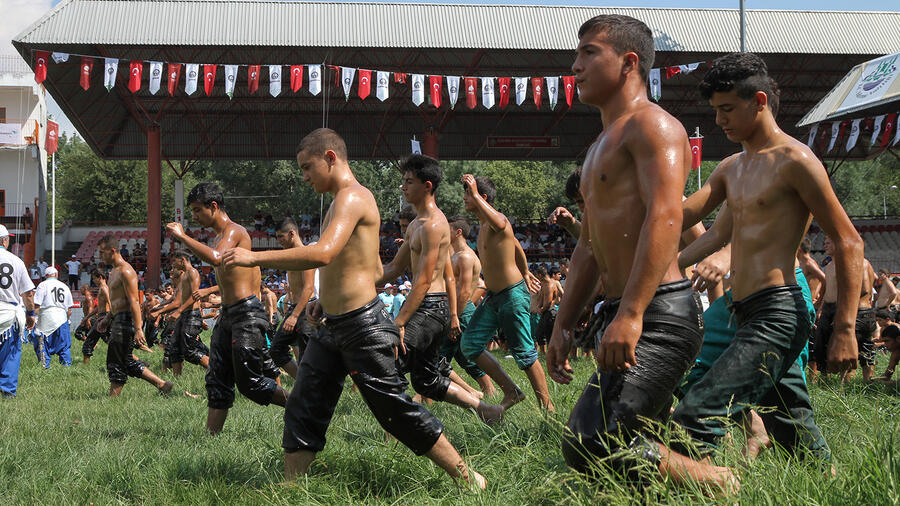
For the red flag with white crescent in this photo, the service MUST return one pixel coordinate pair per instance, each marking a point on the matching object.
(173, 70)
(672, 71)
(471, 97)
(400, 77)
(209, 78)
(252, 78)
(889, 122)
(569, 86)
(435, 86)
(296, 77)
(696, 152)
(136, 69)
(504, 91)
(87, 64)
(52, 140)
(40, 65)
(537, 87)
(365, 83)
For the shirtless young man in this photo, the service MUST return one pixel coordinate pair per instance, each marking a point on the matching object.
(811, 271)
(89, 312)
(360, 338)
(467, 272)
(295, 330)
(99, 315)
(632, 181)
(771, 188)
(550, 295)
(887, 291)
(428, 317)
(184, 311)
(160, 314)
(124, 321)
(270, 302)
(238, 349)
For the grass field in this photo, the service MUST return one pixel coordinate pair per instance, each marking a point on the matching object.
(62, 441)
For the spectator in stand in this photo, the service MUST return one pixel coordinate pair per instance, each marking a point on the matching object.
(258, 221)
(124, 250)
(42, 264)
(387, 296)
(72, 267)
(35, 273)
(400, 298)
(27, 217)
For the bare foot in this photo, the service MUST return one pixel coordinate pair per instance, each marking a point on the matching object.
(144, 347)
(510, 400)
(166, 388)
(478, 394)
(490, 414)
(477, 481)
(727, 481)
(192, 396)
(757, 437)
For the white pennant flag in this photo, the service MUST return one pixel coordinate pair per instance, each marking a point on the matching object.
(655, 85)
(418, 89)
(487, 92)
(453, 89)
(521, 89)
(60, 57)
(274, 80)
(834, 133)
(552, 90)
(382, 87)
(687, 69)
(230, 78)
(109, 75)
(415, 147)
(854, 134)
(156, 72)
(190, 80)
(812, 136)
(347, 74)
(876, 129)
(315, 79)
(896, 136)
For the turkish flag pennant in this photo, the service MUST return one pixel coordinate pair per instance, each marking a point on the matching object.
(672, 71)
(889, 122)
(173, 70)
(365, 84)
(296, 77)
(253, 78)
(435, 86)
(503, 82)
(51, 141)
(844, 125)
(537, 88)
(209, 78)
(569, 86)
(134, 78)
(87, 64)
(399, 77)
(471, 97)
(40, 65)
(696, 152)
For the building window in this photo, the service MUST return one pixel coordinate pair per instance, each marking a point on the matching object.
(2, 114)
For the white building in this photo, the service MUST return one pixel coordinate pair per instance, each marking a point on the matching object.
(23, 161)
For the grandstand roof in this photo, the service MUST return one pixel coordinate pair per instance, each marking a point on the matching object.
(807, 52)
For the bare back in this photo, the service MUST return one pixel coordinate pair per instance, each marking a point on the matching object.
(466, 259)
(235, 283)
(423, 242)
(103, 298)
(868, 285)
(348, 281)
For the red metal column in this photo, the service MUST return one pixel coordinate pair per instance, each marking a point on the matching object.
(154, 225)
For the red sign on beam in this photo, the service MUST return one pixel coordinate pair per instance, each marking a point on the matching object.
(523, 142)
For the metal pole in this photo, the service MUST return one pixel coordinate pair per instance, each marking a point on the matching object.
(53, 216)
(743, 28)
(884, 204)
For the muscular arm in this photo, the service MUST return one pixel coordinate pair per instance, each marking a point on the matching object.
(212, 256)
(495, 219)
(131, 291)
(195, 285)
(430, 237)
(464, 282)
(307, 288)
(714, 239)
(532, 282)
(396, 267)
(450, 284)
(704, 200)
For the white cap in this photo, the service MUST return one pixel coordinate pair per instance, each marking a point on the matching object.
(50, 271)
(388, 285)
(4, 232)
(73, 256)
(406, 285)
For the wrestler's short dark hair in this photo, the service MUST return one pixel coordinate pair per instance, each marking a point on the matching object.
(486, 188)
(206, 193)
(745, 73)
(109, 240)
(287, 225)
(541, 270)
(554, 270)
(321, 140)
(460, 223)
(625, 34)
(98, 273)
(805, 245)
(181, 254)
(891, 332)
(884, 315)
(573, 184)
(425, 168)
(407, 213)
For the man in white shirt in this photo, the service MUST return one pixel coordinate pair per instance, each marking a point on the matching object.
(73, 266)
(53, 303)
(16, 313)
(42, 264)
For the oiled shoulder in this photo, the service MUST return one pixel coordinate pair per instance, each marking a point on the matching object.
(652, 122)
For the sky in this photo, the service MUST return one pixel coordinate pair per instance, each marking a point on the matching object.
(19, 14)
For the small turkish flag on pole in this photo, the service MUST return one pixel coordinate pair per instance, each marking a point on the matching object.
(51, 142)
(569, 86)
(253, 78)
(209, 78)
(87, 64)
(173, 70)
(504, 91)
(435, 86)
(296, 77)
(471, 97)
(696, 149)
(40, 65)
(365, 83)
(134, 78)
(889, 123)
(537, 88)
